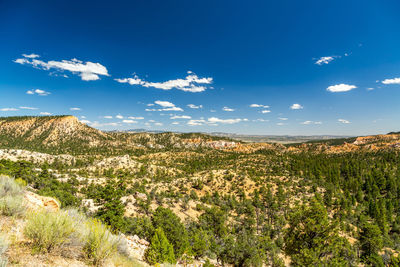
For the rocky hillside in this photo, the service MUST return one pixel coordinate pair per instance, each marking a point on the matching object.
(66, 134)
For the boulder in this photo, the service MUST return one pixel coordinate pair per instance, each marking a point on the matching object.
(35, 202)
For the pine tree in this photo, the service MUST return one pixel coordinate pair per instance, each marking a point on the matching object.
(160, 250)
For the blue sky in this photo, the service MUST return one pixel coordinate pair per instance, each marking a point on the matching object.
(253, 67)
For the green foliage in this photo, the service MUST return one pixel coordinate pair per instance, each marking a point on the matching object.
(312, 239)
(49, 230)
(173, 228)
(371, 240)
(140, 226)
(98, 242)
(112, 209)
(11, 197)
(3, 249)
(160, 250)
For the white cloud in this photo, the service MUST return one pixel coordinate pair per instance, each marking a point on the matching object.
(8, 109)
(166, 106)
(296, 106)
(260, 120)
(191, 83)
(119, 116)
(171, 109)
(129, 121)
(258, 106)
(280, 123)
(136, 118)
(158, 124)
(99, 125)
(180, 117)
(324, 60)
(283, 119)
(194, 106)
(340, 88)
(107, 117)
(85, 121)
(226, 121)
(391, 81)
(311, 122)
(370, 88)
(343, 121)
(29, 108)
(45, 113)
(30, 55)
(228, 109)
(74, 109)
(175, 123)
(88, 71)
(196, 122)
(38, 92)
(265, 111)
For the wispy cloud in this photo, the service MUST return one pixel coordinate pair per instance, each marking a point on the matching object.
(296, 106)
(258, 106)
(37, 92)
(108, 117)
(191, 83)
(196, 122)
(136, 118)
(28, 108)
(129, 121)
(165, 106)
(180, 117)
(343, 121)
(30, 55)
(8, 109)
(223, 121)
(325, 60)
(340, 88)
(88, 71)
(283, 119)
(214, 121)
(119, 116)
(194, 106)
(265, 111)
(311, 122)
(75, 109)
(45, 113)
(391, 81)
(228, 109)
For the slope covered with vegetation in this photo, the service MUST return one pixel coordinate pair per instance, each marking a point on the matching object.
(319, 204)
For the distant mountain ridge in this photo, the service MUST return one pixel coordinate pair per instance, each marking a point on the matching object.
(67, 135)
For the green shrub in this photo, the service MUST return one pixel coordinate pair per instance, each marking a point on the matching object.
(3, 249)
(11, 197)
(8, 187)
(98, 242)
(160, 250)
(12, 206)
(49, 230)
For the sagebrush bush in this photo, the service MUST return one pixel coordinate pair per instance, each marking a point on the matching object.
(49, 230)
(3, 249)
(11, 197)
(98, 242)
(8, 187)
(12, 206)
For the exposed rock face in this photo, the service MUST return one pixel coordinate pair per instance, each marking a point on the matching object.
(136, 246)
(36, 157)
(35, 202)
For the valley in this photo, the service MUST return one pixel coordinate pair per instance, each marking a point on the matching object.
(214, 200)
